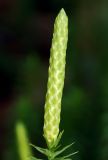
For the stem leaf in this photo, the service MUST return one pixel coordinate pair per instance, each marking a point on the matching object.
(62, 150)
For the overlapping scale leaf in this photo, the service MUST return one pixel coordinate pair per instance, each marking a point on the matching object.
(56, 78)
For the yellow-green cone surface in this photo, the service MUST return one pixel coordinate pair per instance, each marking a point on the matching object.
(56, 78)
(22, 141)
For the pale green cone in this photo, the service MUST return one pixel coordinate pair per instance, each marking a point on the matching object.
(56, 78)
(22, 142)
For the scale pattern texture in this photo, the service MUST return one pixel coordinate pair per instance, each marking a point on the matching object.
(56, 78)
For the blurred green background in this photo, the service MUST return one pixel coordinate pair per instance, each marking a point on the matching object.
(26, 28)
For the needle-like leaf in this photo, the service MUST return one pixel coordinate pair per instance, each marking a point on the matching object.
(41, 150)
(62, 150)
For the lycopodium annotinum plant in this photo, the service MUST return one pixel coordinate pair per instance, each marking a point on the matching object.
(55, 86)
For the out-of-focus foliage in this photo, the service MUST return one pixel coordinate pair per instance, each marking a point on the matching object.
(22, 141)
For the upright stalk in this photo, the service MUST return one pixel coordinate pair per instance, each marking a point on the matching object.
(56, 78)
(54, 91)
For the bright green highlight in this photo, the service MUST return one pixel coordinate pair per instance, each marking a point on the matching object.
(22, 141)
(56, 78)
